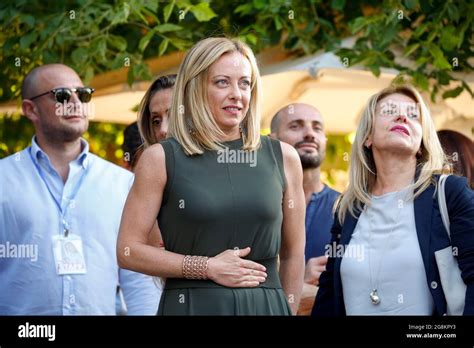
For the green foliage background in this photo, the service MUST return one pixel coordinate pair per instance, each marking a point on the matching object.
(95, 36)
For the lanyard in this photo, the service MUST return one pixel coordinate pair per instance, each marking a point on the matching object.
(58, 204)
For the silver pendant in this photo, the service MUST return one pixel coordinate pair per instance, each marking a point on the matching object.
(374, 297)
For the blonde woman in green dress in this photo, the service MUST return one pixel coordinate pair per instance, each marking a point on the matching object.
(230, 202)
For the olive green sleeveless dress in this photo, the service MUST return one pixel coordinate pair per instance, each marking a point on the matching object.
(218, 201)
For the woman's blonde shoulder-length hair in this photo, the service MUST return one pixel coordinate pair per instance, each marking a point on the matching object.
(191, 122)
(362, 168)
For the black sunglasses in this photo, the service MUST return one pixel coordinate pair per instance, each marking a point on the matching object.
(64, 94)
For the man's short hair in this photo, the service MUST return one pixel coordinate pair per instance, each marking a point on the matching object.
(276, 120)
(28, 89)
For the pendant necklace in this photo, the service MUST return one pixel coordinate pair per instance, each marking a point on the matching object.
(373, 295)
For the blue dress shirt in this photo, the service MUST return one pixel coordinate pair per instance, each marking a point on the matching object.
(92, 200)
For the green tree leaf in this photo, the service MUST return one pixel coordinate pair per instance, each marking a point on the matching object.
(278, 24)
(130, 76)
(421, 80)
(168, 11)
(89, 74)
(259, 4)
(144, 41)
(79, 56)
(119, 61)
(203, 12)
(410, 49)
(420, 30)
(410, 4)
(9, 44)
(163, 46)
(357, 24)
(167, 27)
(141, 71)
(178, 43)
(453, 93)
(399, 80)
(98, 47)
(443, 77)
(449, 39)
(338, 5)
(27, 40)
(244, 9)
(28, 19)
(375, 69)
(50, 57)
(117, 42)
(453, 12)
(251, 38)
(122, 14)
(440, 61)
(183, 3)
(150, 9)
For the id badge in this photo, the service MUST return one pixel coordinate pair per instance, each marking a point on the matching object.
(68, 254)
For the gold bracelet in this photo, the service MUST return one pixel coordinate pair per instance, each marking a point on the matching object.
(195, 267)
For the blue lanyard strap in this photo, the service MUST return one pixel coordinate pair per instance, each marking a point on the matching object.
(58, 204)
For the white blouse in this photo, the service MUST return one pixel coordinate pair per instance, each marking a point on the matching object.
(390, 261)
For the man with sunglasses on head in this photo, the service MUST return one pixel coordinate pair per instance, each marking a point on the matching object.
(54, 194)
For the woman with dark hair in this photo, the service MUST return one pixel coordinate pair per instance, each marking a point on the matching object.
(460, 150)
(154, 109)
(152, 124)
(132, 145)
(150, 128)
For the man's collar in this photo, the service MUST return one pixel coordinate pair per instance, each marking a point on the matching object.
(82, 158)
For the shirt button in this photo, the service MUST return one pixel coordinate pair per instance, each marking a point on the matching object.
(434, 285)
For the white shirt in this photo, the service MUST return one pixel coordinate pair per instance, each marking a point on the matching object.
(92, 199)
(391, 262)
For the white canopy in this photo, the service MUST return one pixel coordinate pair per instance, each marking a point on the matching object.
(340, 93)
